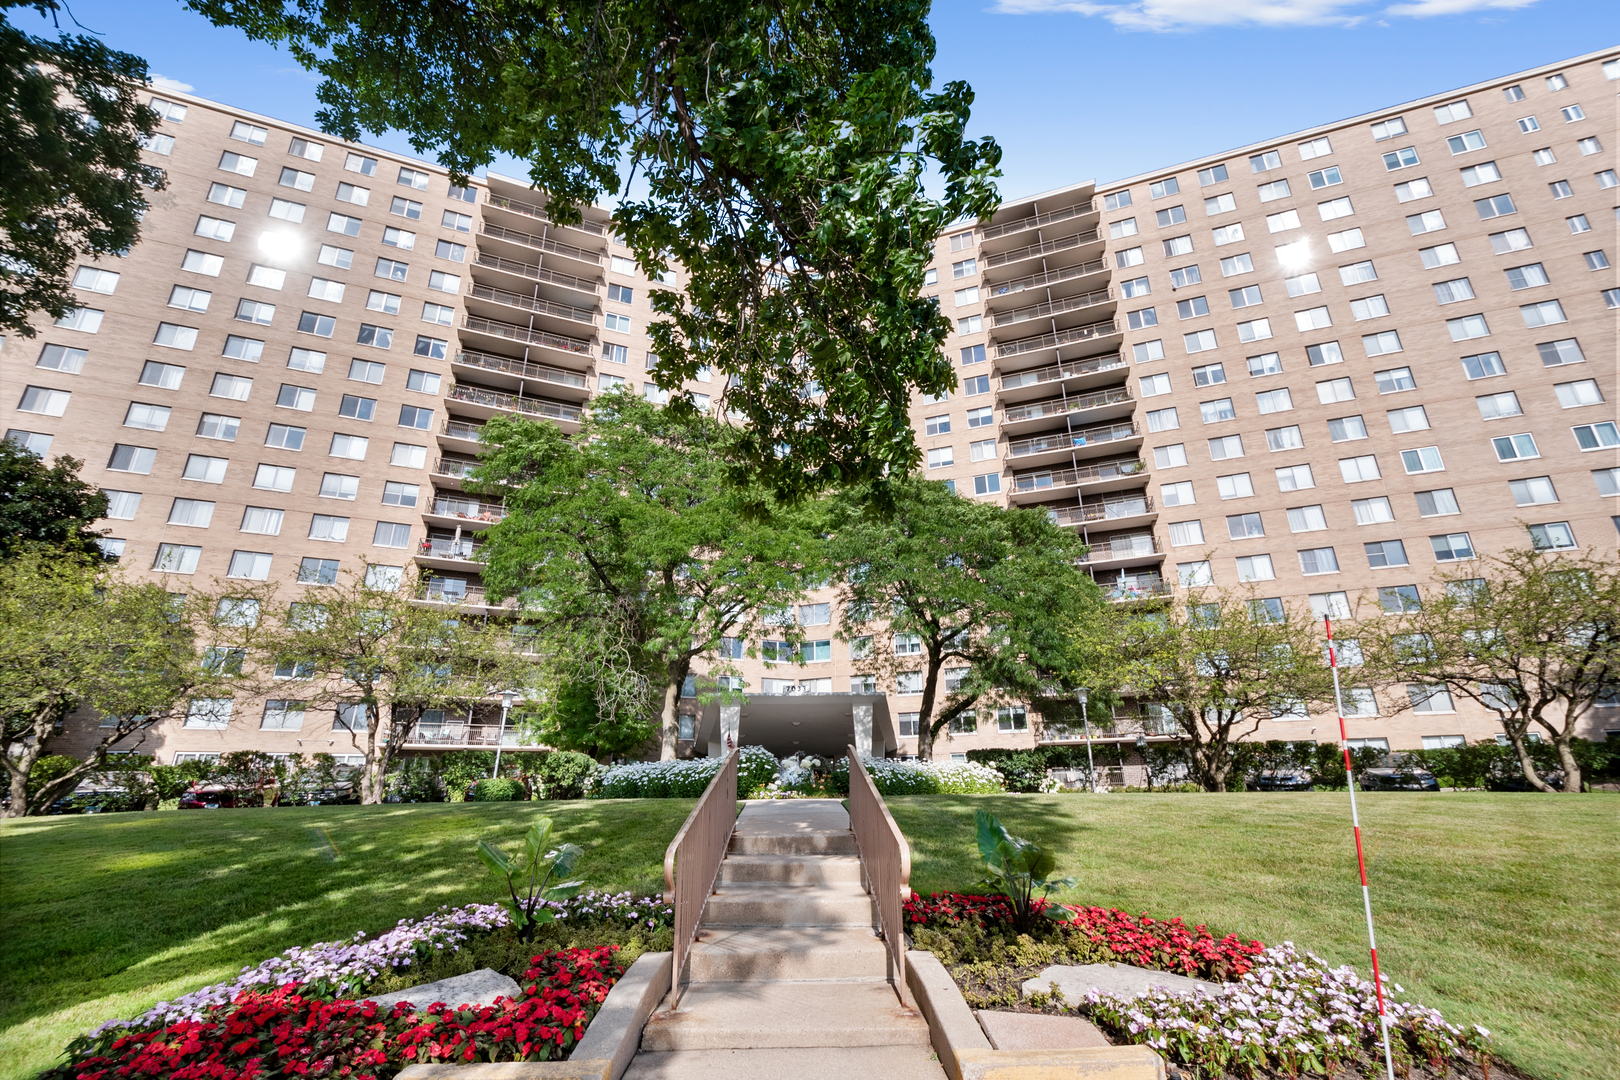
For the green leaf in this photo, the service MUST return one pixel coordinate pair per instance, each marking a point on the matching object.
(495, 859)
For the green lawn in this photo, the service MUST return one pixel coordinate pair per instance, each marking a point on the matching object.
(1497, 909)
(104, 916)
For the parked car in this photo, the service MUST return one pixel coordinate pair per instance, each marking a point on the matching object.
(1282, 780)
(1511, 778)
(1398, 778)
(210, 798)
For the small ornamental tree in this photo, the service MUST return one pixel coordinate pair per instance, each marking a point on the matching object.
(71, 129)
(634, 556)
(46, 504)
(1533, 636)
(367, 649)
(1219, 662)
(76, 636)
(975, 599)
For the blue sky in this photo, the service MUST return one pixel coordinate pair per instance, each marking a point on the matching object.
(1072, 89)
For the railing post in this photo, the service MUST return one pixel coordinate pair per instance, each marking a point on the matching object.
(692, 862)
(885, 864)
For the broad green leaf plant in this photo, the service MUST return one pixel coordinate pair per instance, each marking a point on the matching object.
(530, 877)
(1015, 868)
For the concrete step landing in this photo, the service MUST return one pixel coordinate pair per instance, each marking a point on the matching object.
(747, 954)
(825, 1063)
(765, 1015)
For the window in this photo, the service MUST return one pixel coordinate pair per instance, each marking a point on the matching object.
(1326, 353)
(1356, 470)
(1163, 419)
(1496, 406)
(225, 195)
(941, 456)
(445, 249)
(301, 398)
(973, 324)
(326, 527)
(1545, 313)
(1322, 560)
(1421, 460)
(1438, 502)
(234, 387)
(987, 484)
(146, 417)
(1283, 222)
(1142, 318)
(1277, 189)
(617, 323)
(400, 238)
(1572, 113)
(1495, 206)
(980, 417)
(1335, 208)
(1194, 574)
(387, 303)
(1413, 189)
(1370, 307)
(122, 505)
(1128, 257)
(1295, 478)
(1607, 481)
(1573, 395)
(1429, 699)
(262, 520)
(1316, 318)
(1177, 494)
(1599, 436)
(1470, 141)
(325, 289)
(1439, 255)
(1578, 224)
(1235, 486)
(284, 437)
(274, 478)
(1244, 526)
(1213, 412)
(978, 384)
(1118, 230)
(352, 447)
(1265, 364)
(412, 417)
(1255, 568)
(266, 277)
(1382, 344)
(1426, 222)
(1468, 327)
(1274, 401)
(1186, 533)
(355, 407)
(1553, 536)
(1412, 418)
(1170, 457)
(1483, 173)
(307, 360)
(240, 164)
(1347, 429)
(1224, 203)
(177, 559)
(1306, 519)
(1331, 390)
(1226, 446)
(1597, 260)
(1450, 547)
(312, 322)
(255, 312)
(1226, 234)
(1560, 189)
(1284, 438)
(389, 534)
(381, 337)
(1134, 288)
(215, 426)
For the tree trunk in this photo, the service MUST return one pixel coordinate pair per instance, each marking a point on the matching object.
(1516, 737)
(669, 721)
(371, 779)
(925, 715)
(17, 769)
(1566, 758)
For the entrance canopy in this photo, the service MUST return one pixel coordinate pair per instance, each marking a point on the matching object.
(820, 724)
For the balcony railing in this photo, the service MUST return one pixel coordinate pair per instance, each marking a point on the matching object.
(1088, 332)
(1048, 277)
(514, 332)
(1047, 247)
(1071, 439)
(540, 243)
(538, 212)
(1036, 221)
(468, 509)
(1122, 547)
(1036, 410)
(450, 733)
(1069, 369)
(1107, 510)
(450, 591)
(438, 548)
(1054, 307)
(1139, 588)
(536, 273)
(522, 368)
(1084, 474)
(458, 429)
(530, 303)
(454, 467)
(497, 399)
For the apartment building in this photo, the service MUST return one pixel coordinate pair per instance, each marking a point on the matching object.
(1323, 367)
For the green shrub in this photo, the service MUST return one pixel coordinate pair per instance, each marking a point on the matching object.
(47, 768)
(497, 789)
(566, 774)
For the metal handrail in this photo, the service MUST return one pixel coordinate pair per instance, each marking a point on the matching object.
(1060, 478)
(1036, 221)
(1088, 332)
(1067, 440)
(453, 467)
(1069, 369)
(532, 303)
(435, 547)
(1047, 277)
(514, 332)
(540, 243)
(458, 429)
(536, 273)
(1138, 590)
(538, 212)
(460, 733)
(1035, 410)
(523, 368)
(1123, 547)
(886, 861)
(1106, 510)
(692, 862)
(499, 399)
(1045, 247)
(468, 509)
(1036, 311)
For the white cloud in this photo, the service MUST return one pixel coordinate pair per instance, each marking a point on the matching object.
(1195, 14)
(163, 82)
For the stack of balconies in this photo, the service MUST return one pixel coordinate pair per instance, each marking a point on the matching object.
(528, 346)
(1073, 444)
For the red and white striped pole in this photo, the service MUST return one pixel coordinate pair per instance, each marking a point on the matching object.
(1361, 858)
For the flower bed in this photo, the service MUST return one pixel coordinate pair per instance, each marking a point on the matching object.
(287, 1033)
(761, 775)
(756, 768)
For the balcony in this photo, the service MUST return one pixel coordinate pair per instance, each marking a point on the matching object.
(526, 335)
(538, 212)
(1072, 336)
(1035, 486)
(1047, 278)
(1037, 221)
(450, 472)
(1069, 375)
(461, 431)
(1122, 548)
(535, 272)
(450, 590)
(587, 316)
(540, 243)
(1115, 398)
(461, 733)
(1046, 247)
(438, 549)
(498, 400)
(464, 511)
(1139, 587)
(1117, 511)
(1124, 727)
(1068, 441)
(1053, 307)
(521, 371)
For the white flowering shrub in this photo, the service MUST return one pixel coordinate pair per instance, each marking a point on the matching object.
(932, 778)
(1291, 1013)
(756, 768)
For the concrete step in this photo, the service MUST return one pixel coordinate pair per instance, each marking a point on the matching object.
(746, 954)
(825, 1063)
(790, 869)
(765, 1015)
(793, 843)
(772, 904)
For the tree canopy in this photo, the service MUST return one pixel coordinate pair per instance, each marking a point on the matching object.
(632, 553)
(775, 152)
(71, 131)
(46, 504)
(972, 600)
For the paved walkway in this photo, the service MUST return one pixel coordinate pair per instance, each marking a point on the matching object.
(788, 977)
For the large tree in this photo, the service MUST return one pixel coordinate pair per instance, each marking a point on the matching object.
(1219, 661)
(632, 553)
(76, 636)
(935, 583)
(1532, 636)
(71, 130)
(778, 153)
(370, 651)
(46, 504)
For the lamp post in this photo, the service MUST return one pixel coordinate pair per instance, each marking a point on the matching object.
(1081, 695)
(500, 740)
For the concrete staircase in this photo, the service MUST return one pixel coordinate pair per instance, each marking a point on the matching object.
(788, 977)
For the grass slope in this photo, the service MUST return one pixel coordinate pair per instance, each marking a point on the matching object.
(104, 916)
(1498, 909)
